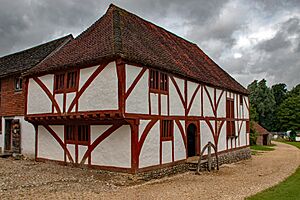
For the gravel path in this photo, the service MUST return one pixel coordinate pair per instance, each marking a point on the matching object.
(31, 180)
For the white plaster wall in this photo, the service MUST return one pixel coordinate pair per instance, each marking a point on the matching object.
(115, 150)
(247, 138)
(48, 147)
(222, 104)
(2, 135)
(207, 108)
(48, 81)
(70, 97)
(60, 101)
(206, 134)
(27, 137)
(149, 155)
(131, 74)
(164, 104)
(97, 130)
(222, 139)
(102, 93)
(179, 148)
(196, 106)
(142, 126)
(176, 107)
(229, 143)
(154, 103)
(243, 135)
(38, 101)
(166, 152)
(85, 74)
(138, 100)
(81, 151)
(71, 148)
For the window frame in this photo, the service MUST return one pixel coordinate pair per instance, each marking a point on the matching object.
(230, 119)
(18, 80)
(160, 82)
(66, 88)
(169, 134)
(75, 134)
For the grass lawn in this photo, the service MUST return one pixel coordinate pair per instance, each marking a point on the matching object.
(288, 189)
(261, 148)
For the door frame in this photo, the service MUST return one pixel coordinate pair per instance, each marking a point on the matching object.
(7, 148)
(197, 136)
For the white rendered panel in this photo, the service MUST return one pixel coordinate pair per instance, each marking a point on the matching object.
(2, 135)
(166, 152)
(176, 106)
(48, 81)
(149, 155)
(115, 150)
(222, 138)
(243, 135)
(221, 112)
(70, 98)
(60, 101)
(164, 104)
(38, 102)
(48, 147)
(85, 74)
(27, 137)
(131, 73)
(71, 148)
(154, 103)
(142, 126)
(179, 148)
(207, 107)
(206, 135)
(98, 130)
(138, 100)
(102, 93)
(81, 151)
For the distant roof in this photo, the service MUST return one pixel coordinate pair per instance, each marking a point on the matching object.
(259, 129)
(26, 59)
(121, 34)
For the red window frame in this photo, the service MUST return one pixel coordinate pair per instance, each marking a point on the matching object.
(18, 83)
(66, 81)
(77, 134)
(167, 129)
(230, 121)
(158, 82)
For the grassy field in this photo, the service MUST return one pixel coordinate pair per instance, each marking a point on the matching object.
(288, 189)
(261, 148)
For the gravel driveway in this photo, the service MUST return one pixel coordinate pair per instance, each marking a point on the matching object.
(31, 180)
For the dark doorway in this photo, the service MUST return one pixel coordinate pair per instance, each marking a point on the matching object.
(7, 140)
(191, 140)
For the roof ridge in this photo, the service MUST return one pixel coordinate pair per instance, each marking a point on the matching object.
(22, 51)
(114, 7)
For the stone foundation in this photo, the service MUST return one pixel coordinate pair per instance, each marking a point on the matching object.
(224, 158)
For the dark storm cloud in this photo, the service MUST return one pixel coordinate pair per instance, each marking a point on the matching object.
(215, 26)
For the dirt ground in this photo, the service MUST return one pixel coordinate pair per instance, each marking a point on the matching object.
(23, 179)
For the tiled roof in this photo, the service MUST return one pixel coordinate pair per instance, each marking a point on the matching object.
(120, 34)
(26, 59)
(259, 129)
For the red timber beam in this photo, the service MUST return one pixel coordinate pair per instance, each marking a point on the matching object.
(61, 143)
(182, 133)
(210, 100)
(145, 134)
(247, 105)
(102, 137)
(121, 84)
(134, 144)
(86, 84)
(46, 90)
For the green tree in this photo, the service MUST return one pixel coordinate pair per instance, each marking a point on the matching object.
(279, 92)
(263, 102)
(289, 111)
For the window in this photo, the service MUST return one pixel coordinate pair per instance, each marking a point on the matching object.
(167, 129)
(18, 83)
(77, 134)
(158, 82)
(66, 82)
(230, 118)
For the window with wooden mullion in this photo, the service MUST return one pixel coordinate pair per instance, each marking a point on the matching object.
(167, 129)
(77, 134)
(66, 82)
(158, 82)
(230, 123)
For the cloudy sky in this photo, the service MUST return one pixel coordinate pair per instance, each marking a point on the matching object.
(250, 39)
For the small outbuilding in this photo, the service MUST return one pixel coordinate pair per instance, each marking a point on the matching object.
(264, 137)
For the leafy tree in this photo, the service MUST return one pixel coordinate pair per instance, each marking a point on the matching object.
(289, 113)
(279, 92)
(263, 103)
